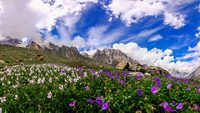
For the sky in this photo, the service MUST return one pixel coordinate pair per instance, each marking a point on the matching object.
(163, 33)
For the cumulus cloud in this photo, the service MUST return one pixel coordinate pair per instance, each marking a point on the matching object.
(175, 20)
(155, 38)
(17, 19)
(158, 57)
(161, 58)
(135, 10)
(68, 11)
(25, 18)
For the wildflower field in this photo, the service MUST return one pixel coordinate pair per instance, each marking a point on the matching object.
(58, 88)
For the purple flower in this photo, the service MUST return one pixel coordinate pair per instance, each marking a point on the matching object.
(139, 76)
(174, 102)
(157, 81)
(166, 106)
(196, 107)
(105, 106)
(169, 86)
(198, 89)
(91, 101)
(154, 89)
(180, 106)
(72, 104)
(169, 76)
(122, 82)
(99, 101)
(188, 88)
(86, 88)
(164, 103)
(140, 92)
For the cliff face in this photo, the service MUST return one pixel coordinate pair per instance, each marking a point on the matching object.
(115, 58)
(69, 52)
(195, 75)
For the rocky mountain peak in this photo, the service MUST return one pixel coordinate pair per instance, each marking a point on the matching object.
(33, 45)
(113, 57)
(10, 41)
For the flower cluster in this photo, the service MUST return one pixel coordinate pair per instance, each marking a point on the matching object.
(103, 105)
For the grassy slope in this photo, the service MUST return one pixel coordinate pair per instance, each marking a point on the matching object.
(16, 55)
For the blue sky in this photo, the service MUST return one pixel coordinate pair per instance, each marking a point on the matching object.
(165, 31)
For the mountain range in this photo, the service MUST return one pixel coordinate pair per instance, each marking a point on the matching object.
(102, 58)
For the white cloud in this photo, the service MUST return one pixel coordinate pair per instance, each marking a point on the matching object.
(133, 11)
(198, 8)
(68, 10)
(17, 19)
(193, 52)
(25, 18)
(78, 42)
(100, 36)
(155, 38)
(163, 59)
(142, 35)
(175, 20)
(198, 33)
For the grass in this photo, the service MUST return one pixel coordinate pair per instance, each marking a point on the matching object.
(17, 55)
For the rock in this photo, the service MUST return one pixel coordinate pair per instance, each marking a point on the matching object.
(147, 74)
(121, 65)
(195, 75)
(2, 62)
(34, 46)
(115, 58)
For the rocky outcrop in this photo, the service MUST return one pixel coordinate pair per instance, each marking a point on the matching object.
(195, 75)
(115, 58)
(34, 46)
(69, 51)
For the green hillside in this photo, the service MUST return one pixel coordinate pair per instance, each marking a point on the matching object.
(10, 55)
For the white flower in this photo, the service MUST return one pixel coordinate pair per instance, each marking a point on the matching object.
(15, 86)
(16, 97)
(85, 74)
(50, 79)
(8, 82)
(49, 95)
(2, 78)
(56, 78)
(65, 81)
(0, 110)
(32, 81)
(39, 81)
(3, 99)
(61, 87)
(43, 80)
(96, 73)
